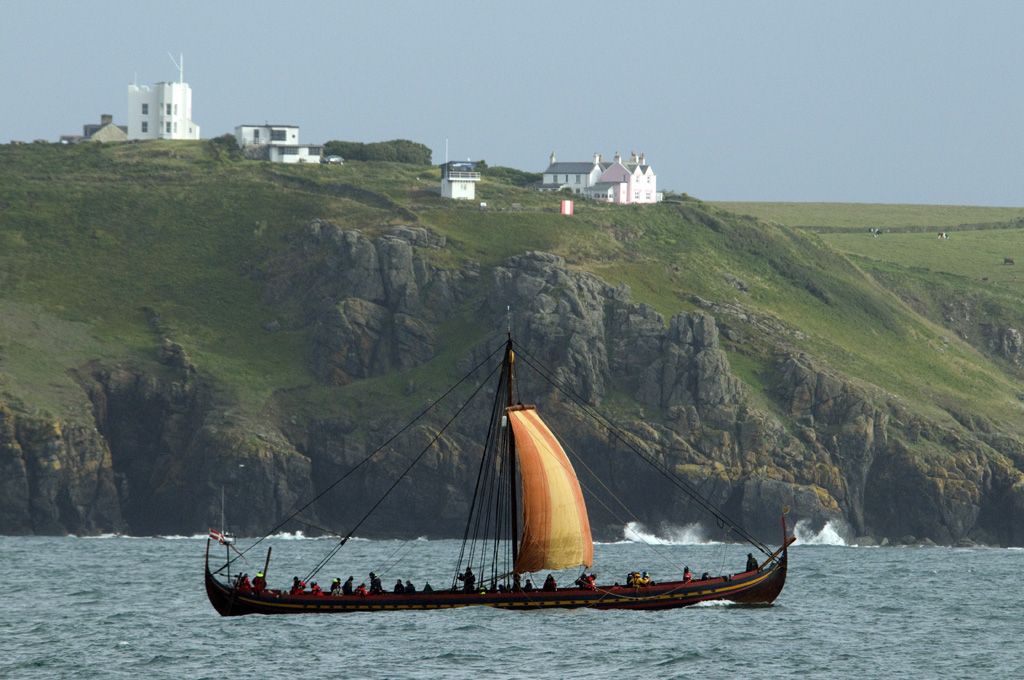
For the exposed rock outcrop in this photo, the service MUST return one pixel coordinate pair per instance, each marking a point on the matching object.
(165, 444)
(376, 303)
(55, 478)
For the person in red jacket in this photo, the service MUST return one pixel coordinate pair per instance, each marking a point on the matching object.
(244, 586)
(687, 576)
(259, 584)
(315, 589)
(361, 590)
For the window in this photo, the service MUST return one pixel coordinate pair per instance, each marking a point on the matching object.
(579, 179)
(145, 125)
(278, 135)
(168, 127)
(175, 126)
(145, 110)
(168, 109)
(290, 151)
(256, 136)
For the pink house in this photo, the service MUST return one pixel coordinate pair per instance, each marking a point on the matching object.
(624, 183)
(615, 182)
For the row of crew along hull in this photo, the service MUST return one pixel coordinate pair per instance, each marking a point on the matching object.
(753, 587)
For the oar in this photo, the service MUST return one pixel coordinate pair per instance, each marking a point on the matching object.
(266, 565)
(789, 541)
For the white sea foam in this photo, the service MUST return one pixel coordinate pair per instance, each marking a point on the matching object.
(178, 537)
(830, 534)
(97, 536)
(691, 534)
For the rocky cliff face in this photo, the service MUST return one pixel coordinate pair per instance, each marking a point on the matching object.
(55, 478)
(163, 446)
(375, 303)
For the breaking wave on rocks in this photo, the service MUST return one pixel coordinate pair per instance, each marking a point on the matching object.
(690, 534)
(830, 534)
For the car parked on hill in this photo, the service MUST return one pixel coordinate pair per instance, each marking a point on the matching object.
(332, 160)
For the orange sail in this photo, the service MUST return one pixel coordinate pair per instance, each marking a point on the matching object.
(556, 530)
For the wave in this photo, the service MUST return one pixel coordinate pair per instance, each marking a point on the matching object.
(691, 534)
(178, 537)
(830, 534)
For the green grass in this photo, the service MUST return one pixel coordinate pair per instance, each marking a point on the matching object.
(864, 215)
(977, 255)
(91, 235)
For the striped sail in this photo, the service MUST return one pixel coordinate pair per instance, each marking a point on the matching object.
(556, 530)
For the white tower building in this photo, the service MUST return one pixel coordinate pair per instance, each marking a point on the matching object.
(162, 111)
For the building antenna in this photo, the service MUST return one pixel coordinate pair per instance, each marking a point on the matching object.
(180, 65)
(446, 151)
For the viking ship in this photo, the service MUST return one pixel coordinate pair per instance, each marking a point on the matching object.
(527, 515)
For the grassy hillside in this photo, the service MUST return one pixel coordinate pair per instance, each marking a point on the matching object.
(93, 235)
(862, 216)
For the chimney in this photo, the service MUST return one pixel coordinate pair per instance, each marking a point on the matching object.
(643, 161)
(106, 119)
(597, 158)
(552, 159)
(618, 158)
(633, 158)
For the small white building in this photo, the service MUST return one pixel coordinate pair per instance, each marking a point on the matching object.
(458, 180)
(161, 111)
(276, 143)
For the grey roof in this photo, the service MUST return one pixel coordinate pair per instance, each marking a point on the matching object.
(632, 166)
(571, 168)
(603, 185)
(268, 125)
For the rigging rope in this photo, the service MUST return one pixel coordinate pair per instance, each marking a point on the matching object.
(621, 435)
(391, 488)
(373, 453)
(652, 546)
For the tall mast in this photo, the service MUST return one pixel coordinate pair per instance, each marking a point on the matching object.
(509, 359)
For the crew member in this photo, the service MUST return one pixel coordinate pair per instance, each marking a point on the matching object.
(336, 587)
(751, 562)
(687, 576)
(469, 579)
(259, 584)
(549, 583)
(361, 590)
(376, 588)
(409, 587)
(399, 587)
(346, 589)
(244, 586)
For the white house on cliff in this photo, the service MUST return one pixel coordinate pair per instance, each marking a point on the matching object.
(276, 143)
(614, 182)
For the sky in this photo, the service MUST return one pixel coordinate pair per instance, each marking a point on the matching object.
(887, 102)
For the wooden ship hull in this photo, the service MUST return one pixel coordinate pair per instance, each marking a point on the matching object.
(749, 588)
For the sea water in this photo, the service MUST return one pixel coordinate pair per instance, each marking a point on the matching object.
(118, 607)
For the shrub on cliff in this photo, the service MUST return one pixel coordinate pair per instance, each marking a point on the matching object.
(396, 150)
